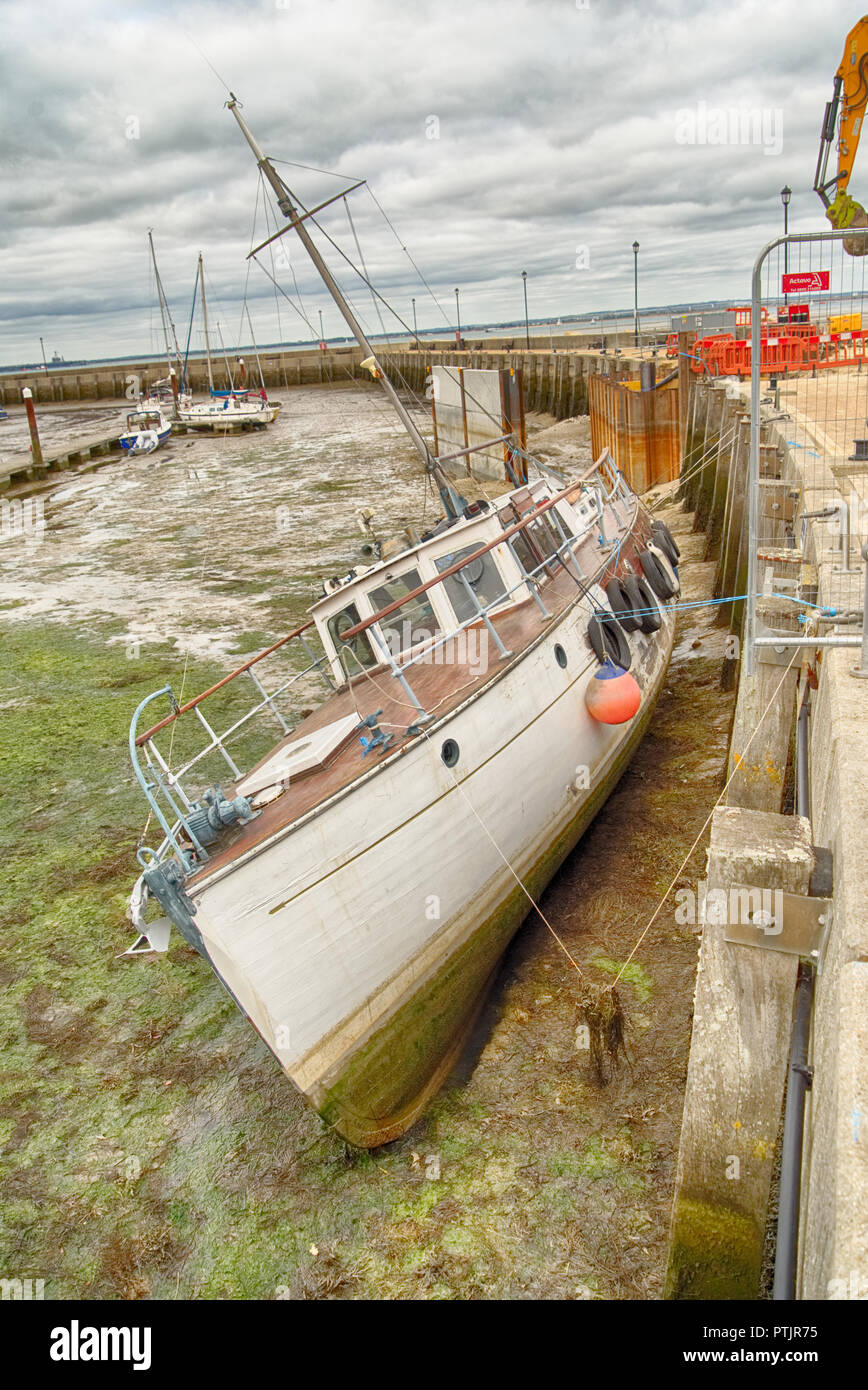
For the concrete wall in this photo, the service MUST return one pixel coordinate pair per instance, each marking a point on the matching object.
(833, 1244)
(119, 381)
(549, 375)
(834, 1237)
(554, 383)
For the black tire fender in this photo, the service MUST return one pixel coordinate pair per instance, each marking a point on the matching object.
(656, 575)
(608, 639)
(668, 567)
(622, 605)
(643, 602)
(666, 541)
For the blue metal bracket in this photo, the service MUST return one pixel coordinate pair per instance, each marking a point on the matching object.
(378, 742)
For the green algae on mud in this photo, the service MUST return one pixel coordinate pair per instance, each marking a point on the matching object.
(716, 1253)
(152, 1147)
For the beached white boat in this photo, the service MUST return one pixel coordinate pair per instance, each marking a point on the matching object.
(228, 411)
(147, 428)
(354, 885)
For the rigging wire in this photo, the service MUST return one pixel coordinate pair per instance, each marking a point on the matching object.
(364, 267)
(683, 865)
(205, 58)
(293, 164)
(378, 298)
(409, 257)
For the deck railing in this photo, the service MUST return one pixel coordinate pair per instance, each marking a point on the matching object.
(164, 787)
(171, 804)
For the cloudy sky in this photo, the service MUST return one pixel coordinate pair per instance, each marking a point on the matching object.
(499, 136)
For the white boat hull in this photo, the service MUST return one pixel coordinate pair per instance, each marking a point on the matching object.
(144, 441)
(360, 941)
(221, 416)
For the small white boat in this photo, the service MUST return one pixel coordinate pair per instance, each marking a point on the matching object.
(146, 430)
(229, 411)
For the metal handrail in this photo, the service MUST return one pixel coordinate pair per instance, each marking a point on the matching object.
(162, 787)
(197, 699)
(484, 614)
(160, 784)
(217, 739)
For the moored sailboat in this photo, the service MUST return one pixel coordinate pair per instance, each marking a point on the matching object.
(223, 409)
(355, 884)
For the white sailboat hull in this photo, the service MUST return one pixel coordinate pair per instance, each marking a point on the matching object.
(222, 417)
(360, 941)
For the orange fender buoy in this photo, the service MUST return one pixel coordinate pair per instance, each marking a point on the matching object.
(613, 696)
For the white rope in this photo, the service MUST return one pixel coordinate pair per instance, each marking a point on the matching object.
(706, 823)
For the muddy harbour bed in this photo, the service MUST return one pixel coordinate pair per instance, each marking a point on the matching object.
(150, 1146)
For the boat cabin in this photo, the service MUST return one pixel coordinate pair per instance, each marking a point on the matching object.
(498, 580)
(144, 419)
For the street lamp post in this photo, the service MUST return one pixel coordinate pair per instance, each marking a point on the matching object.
(526, 321)
(321, 333)
(786, 195)
(458, 318)
(635, 294)
(415, 334)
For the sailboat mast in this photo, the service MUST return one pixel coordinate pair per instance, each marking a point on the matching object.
(165, 315)
(225, 357)
(255, 348)
(285, 203)
(205, 318)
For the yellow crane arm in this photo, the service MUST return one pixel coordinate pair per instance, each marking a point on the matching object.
(849, 97)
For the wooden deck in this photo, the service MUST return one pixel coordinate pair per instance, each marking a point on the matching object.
(439, 689)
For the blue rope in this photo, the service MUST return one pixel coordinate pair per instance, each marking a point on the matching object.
(736, 598)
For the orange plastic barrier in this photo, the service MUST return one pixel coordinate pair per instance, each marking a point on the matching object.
(783, 348)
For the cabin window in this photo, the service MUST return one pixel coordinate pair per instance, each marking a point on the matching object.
(357, 653)
(536, 543)
(523, 549)
(563, 521)
(482, 576)
(544, 536)
(413, 622)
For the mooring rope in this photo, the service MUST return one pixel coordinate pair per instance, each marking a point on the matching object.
(706, 823)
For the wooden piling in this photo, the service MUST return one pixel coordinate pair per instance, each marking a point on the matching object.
(35, 446)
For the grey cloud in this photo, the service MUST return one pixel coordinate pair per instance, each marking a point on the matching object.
(556, 128)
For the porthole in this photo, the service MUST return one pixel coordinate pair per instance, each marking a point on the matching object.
(560, 655)
(474, 570)
(450, 752)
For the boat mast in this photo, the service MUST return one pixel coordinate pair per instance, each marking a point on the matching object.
(255, 348)
(451, 501)
(205, 317)
(165, 313)
(225, 357)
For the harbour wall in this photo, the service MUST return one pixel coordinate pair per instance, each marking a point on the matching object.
(555, 377)
(709, 1255)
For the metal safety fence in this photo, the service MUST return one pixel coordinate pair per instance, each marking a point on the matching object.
(808, 468)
